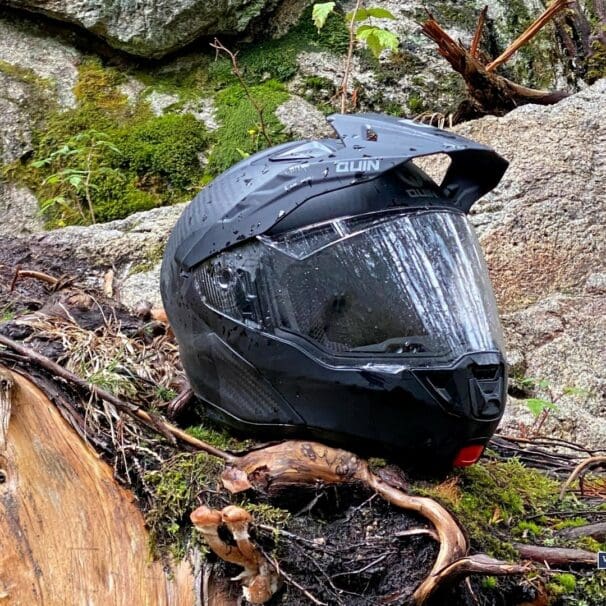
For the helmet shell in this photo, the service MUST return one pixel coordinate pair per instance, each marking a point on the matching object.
(277, 385)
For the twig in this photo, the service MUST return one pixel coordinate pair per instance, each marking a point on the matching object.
(596, 531)
(556, 555)
(30, 273)
(290, 580)
(218, 46)
(350, 50)
(166, 429)
(530, 33)
(578, 469)
(475, 43)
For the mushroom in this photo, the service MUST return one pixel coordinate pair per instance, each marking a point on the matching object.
(207, 521)
(237, 520)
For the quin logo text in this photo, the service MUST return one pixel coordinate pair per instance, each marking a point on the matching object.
(357, 166)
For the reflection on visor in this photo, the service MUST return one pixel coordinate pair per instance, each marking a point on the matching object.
(409, 283)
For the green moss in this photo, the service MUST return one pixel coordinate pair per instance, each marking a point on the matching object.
(24, 74)
(130, 159)
(218, 437)
(415, 104)
(596, 63)
(492, 498)
(164, 147)
(562, 584)
(263, 513)
(240, 129)
(176, 488)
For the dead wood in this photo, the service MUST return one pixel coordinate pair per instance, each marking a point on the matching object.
(595, 531)
(169, 431)
(556, 556)
(579, 469)
(488, 92)
(69, 533)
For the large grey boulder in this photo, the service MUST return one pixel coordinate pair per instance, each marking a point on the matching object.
(37, 72)
(151, 28)
(544, 234)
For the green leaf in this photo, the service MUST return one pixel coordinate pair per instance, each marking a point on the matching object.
(364, 31)
(537, 406)
(358, 15)
(387, 39)
(320, 13)
(41, 163)
(374, 44)
(75, 181)
(379, 13)
(242, 153)
(377, 39)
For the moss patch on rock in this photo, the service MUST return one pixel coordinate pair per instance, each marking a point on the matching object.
(108, 158)
(240, 132)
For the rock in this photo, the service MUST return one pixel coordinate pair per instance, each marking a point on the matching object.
(19, 211)
(37, 72)
(15, 133)
(151, 29)
(27, 48)
(159, 102)
(543, 230)
(302, 120)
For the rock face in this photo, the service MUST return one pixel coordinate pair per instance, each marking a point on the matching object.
(544, 233)
(36, 71)
(151, 29)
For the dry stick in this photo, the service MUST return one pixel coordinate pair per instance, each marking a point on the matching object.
(595, 531)
(556, 556)
(350, 49)
(475, 43)
(218, 46)
(166, 429)
(29, 273)
(578, 469)
(530, 33)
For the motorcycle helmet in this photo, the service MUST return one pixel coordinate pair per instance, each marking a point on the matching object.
(331, 289)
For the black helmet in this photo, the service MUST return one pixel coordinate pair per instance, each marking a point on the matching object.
(332, 289)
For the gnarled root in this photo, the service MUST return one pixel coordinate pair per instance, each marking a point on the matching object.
(300, 463)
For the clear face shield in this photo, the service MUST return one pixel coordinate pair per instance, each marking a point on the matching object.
(390, 284)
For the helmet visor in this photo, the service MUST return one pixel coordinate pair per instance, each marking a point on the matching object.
(390, 283)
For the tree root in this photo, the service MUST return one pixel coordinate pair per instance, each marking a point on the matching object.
(488, 92)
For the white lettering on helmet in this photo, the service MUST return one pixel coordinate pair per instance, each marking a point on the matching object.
(357, 166)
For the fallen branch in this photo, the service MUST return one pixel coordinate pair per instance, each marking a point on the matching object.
(590, 462)
(475, 43)
(556, 556)
(534, 28)
(489, 93)
(166, 429)
(595, 531)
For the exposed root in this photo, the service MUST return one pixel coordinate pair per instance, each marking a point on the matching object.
(488, 92)
(582, 466)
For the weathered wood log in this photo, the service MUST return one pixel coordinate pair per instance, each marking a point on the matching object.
(69, 533)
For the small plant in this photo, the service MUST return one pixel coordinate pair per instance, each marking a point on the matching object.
(360, 29)
(541, 408)
(77, 163)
